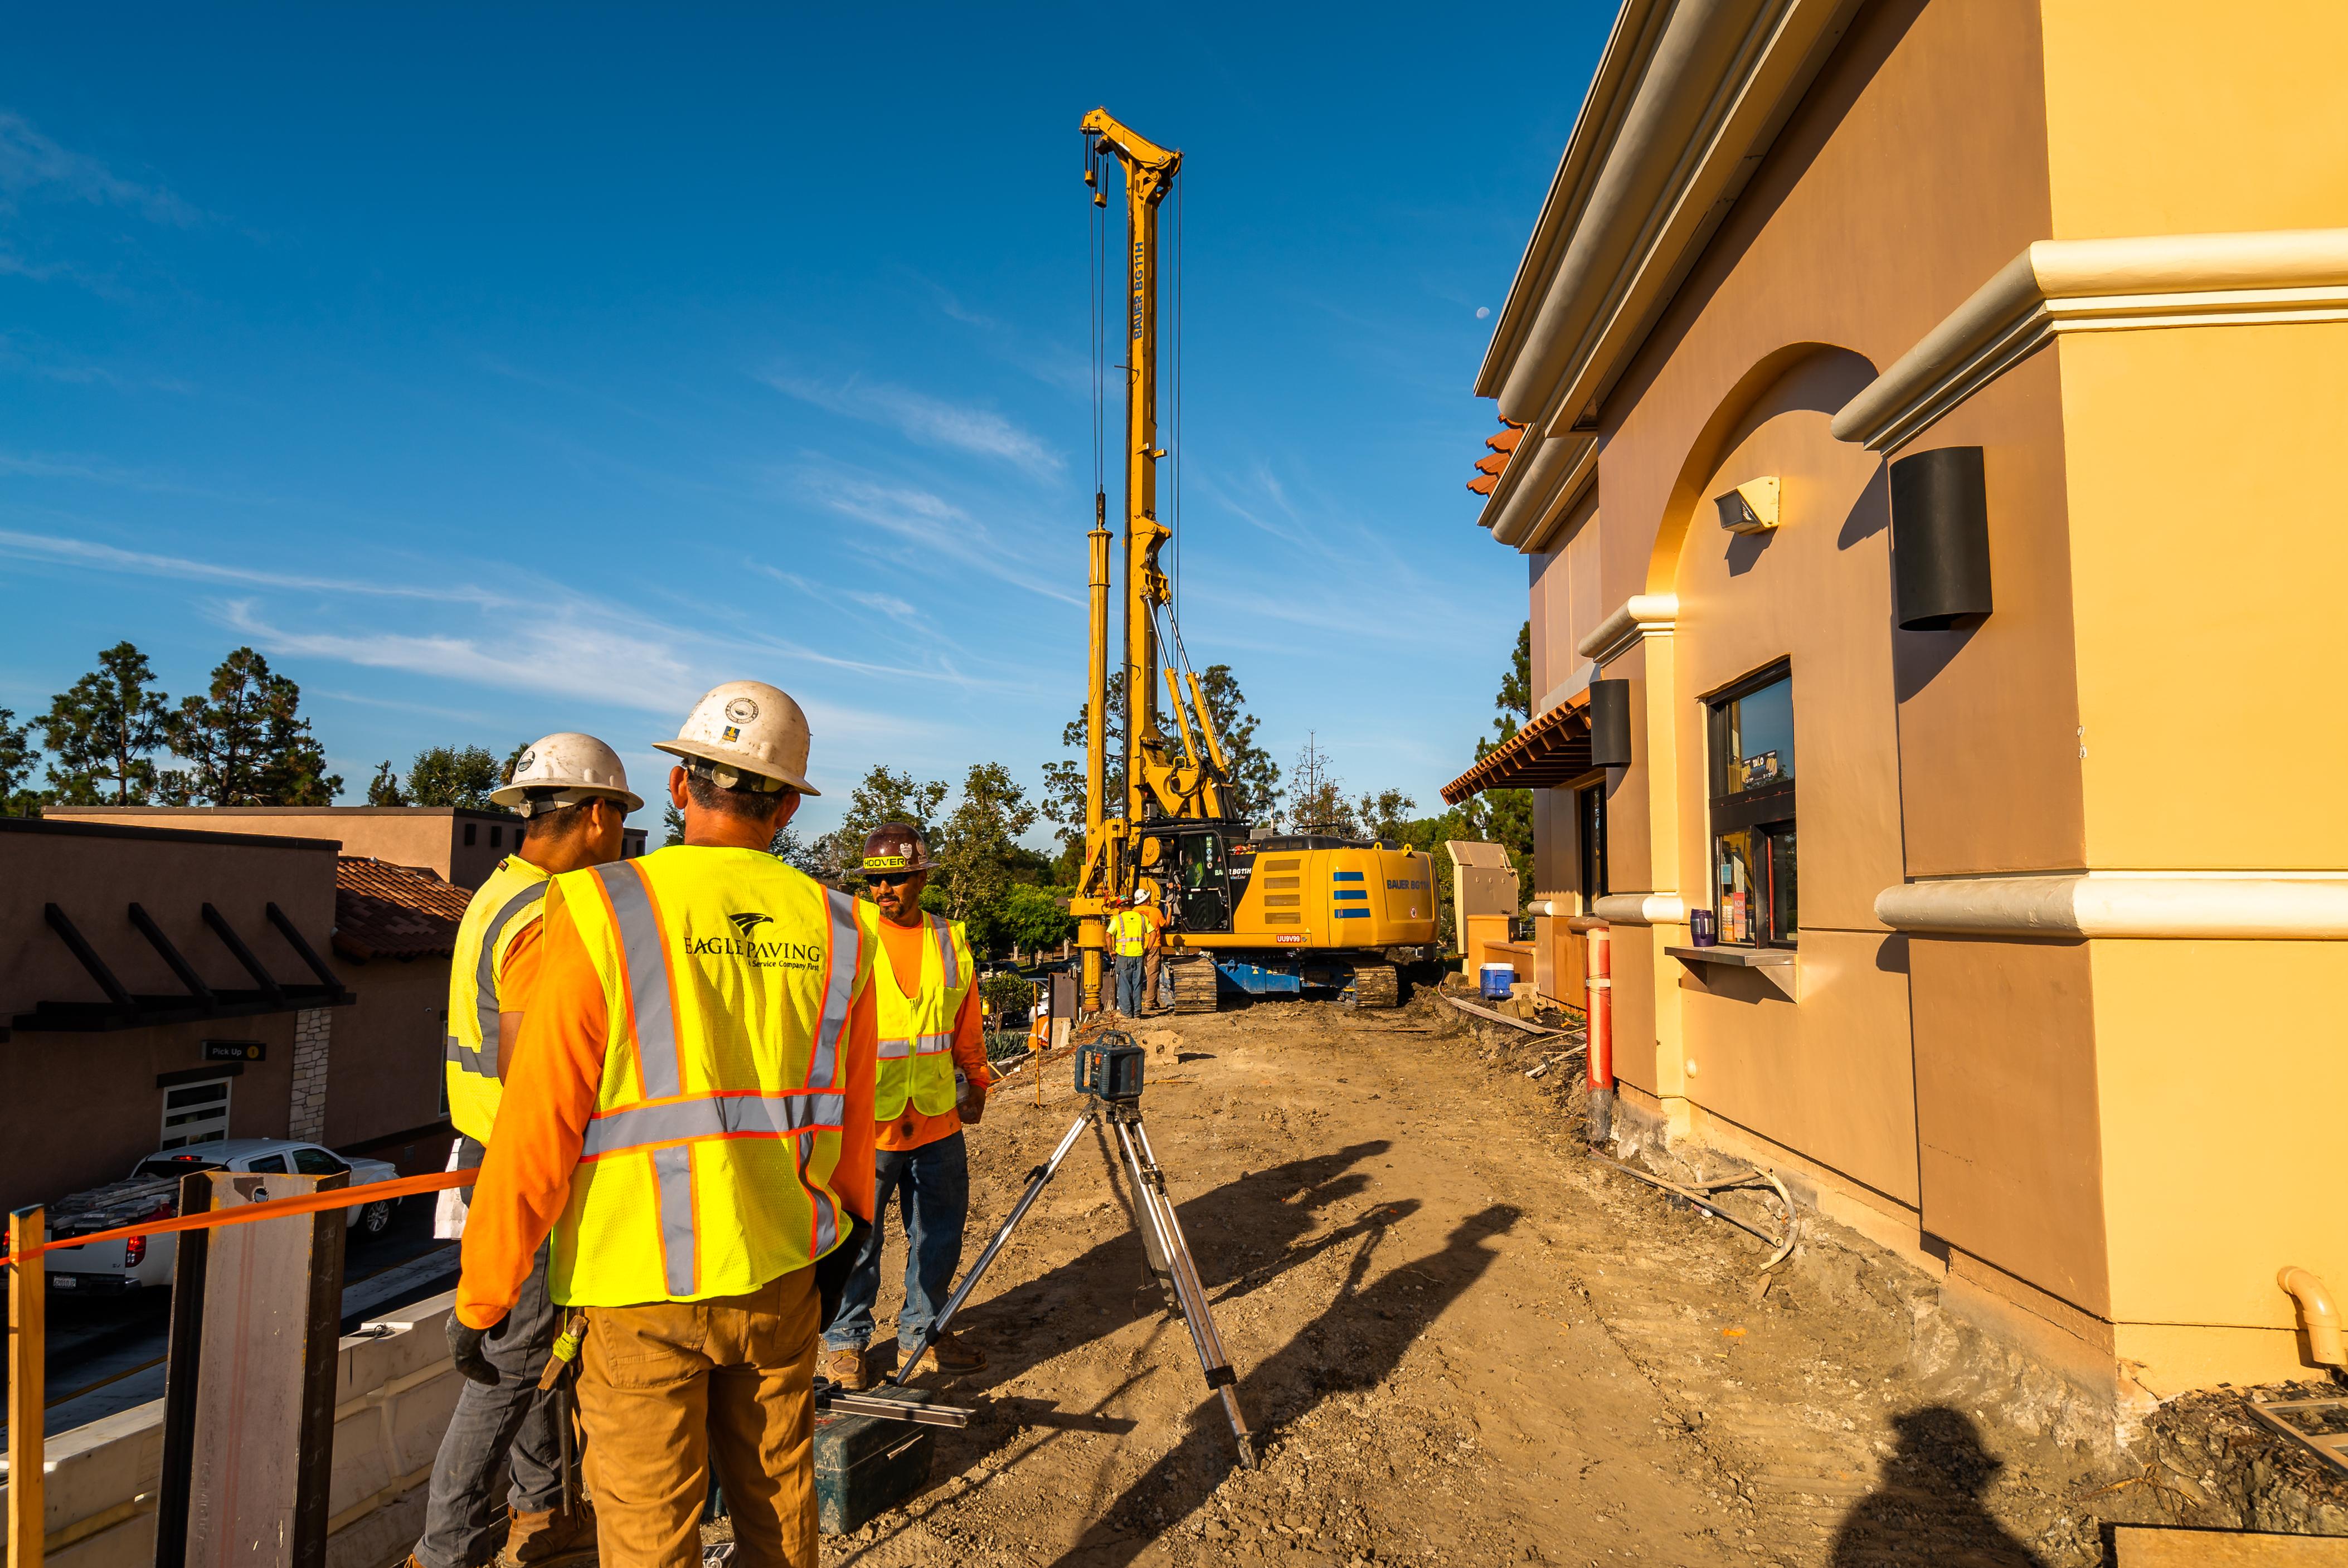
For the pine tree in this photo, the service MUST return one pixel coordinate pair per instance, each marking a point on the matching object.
(978, 852)
(17, 755)
(1505, 816)
(383, 789)
(246, 742)
(103, 732)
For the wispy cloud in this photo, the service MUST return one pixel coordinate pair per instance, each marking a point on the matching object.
(97, 471)
(933, 523)
(99, 557)
(31, 162)
(921, 418)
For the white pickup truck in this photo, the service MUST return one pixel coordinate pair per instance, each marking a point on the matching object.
(153, 1192)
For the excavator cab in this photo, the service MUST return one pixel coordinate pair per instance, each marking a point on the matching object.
(1194, 861)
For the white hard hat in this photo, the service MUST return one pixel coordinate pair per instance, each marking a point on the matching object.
(748, 732)
(565, 769)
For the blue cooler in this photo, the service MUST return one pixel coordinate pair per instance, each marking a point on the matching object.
(1493, 981)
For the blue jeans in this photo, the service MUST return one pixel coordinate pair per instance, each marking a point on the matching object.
(1128, 985)
(933, 1187)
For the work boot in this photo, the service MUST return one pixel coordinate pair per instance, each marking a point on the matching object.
(950, 1355)
(545, 1540)
(847, 1368)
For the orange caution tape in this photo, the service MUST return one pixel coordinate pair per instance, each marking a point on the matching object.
(275, 1208)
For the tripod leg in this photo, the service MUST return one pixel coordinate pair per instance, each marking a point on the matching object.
(1191, 1295)
(1036, 1178)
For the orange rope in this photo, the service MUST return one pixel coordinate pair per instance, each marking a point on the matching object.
(275, 1208)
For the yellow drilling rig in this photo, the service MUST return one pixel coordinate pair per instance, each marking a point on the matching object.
(1246, 910)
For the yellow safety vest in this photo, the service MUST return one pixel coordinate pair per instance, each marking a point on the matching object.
(708, 1167)
(917, 1032)
(507, 904)
(1131, 929)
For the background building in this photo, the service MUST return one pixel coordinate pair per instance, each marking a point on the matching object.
(455, 843)
(2001, 772)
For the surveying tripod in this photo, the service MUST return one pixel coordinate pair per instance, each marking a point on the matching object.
(1109, 1075)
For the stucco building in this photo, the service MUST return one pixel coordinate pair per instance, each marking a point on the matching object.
(161, 987)
(1920, 423)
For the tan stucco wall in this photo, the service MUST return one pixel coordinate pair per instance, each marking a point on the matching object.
(385, 1072)
(2149, 138)
(431, 837)
(1830, 1075)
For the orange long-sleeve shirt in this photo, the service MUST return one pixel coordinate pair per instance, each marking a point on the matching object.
(558, 1074)
(913, 1128)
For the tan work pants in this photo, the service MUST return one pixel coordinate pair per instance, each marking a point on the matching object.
(1150, 980)
(666, 1388)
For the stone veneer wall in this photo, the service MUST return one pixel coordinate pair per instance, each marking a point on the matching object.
(312, 1029)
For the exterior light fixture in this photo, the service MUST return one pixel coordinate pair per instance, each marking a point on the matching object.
(1940, 539)
(1609, 723)
(1751, 507)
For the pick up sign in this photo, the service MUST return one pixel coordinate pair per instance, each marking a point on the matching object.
(235, 1050)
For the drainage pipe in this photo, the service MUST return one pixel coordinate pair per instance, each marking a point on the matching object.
(1598, 997)
(2317, 1313)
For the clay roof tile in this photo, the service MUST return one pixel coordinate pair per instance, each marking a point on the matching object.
(386, 911)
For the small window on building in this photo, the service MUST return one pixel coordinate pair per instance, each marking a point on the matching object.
(470, 829)
(497, 838)
(1590, 812)
(195, 1113)
(1756, 890)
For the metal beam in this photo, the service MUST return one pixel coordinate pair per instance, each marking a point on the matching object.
(162, 944)
(244, 955)
(64, 927)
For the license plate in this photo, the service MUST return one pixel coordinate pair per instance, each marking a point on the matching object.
(65, 1282)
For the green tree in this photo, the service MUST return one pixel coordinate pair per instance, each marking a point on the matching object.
(978, 850)
(17, 755)
(454, 776)
(1385, 815)
(672, 826)
(1505, 816)
(104, 731)
(247, 742)
(384, 788)
(885, 795)
(1033, 917)
(1254, 777)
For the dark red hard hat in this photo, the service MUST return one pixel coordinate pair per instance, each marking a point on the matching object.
(896, 847)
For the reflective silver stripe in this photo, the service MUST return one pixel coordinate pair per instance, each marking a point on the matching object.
(946, 953)
(839, 989)
(895, 1049)
(921, 1045)
(464, 1058)
(639, 949)
(714, 1116)
(485, 977)
(673, 1168)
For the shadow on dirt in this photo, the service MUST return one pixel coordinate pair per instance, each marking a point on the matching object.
(1926, 1507)
(1356, 1344)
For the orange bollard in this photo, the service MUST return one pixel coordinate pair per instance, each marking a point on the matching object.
(1598, 999)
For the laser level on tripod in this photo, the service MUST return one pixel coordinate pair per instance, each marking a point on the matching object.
(1109, 1075)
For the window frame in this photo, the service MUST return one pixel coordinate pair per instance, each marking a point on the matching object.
(1589, 840)
(1766, 811)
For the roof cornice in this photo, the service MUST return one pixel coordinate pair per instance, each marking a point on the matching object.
(1688, 95)
(2056, 286)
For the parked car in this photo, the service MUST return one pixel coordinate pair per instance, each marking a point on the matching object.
(153, 1192)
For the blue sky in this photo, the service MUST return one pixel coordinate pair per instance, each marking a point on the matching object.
(500, 371)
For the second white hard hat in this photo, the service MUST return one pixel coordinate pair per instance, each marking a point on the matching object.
(747, 731)
(565, 769)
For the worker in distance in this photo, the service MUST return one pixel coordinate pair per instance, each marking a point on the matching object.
(689, 1125)
(932, 1082)
(572, 795)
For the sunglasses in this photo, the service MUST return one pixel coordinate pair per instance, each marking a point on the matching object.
(890, 878)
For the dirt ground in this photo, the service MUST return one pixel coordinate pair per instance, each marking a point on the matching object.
(1460, 1340)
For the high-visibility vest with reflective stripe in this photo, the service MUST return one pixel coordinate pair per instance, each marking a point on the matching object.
(707, 1168)
(1131, 929)
(917, 1032)
(507, 904)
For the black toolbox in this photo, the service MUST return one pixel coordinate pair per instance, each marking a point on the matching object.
(865, 1466)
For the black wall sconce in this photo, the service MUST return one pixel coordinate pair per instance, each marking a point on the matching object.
(1939, 540)
(1609, 723)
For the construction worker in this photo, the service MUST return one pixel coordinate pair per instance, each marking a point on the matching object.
(1145, 898)
(1129, 930)
(932, 1082)
(573, 796)
(689, 1119)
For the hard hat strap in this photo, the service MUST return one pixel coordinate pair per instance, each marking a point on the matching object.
(538, 799)
(725, 777)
